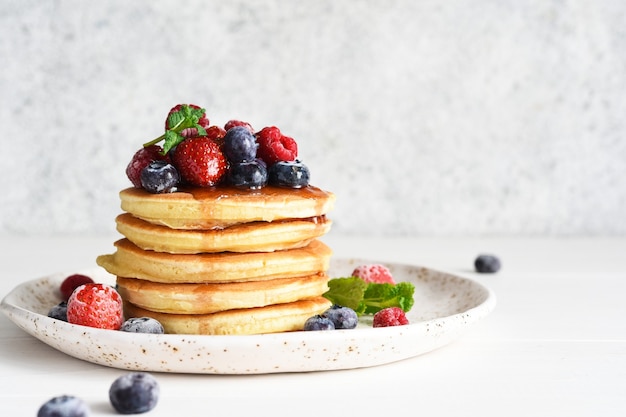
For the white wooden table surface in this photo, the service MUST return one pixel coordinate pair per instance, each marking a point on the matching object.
(555, 344)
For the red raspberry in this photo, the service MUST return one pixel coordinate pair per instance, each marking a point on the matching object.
(391, 316)
(142, 159)
(233, 123)
(200, 162)
(216, 133)
(274, 146)
(96, 305)
(72, 282)
(374, 273)
(192, 131)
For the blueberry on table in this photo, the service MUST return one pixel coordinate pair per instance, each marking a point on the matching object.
(134, 393)
(64, 406)
(487, 264)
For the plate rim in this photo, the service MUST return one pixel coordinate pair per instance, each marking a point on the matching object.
(413, 330)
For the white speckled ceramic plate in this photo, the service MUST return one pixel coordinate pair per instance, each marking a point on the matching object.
(445, 306)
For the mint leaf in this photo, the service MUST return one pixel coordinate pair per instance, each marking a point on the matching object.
(380, 296)
(175, 119)
(178, 121)
(369, 298)
(172, 139)
(346, 292)
(201, 130)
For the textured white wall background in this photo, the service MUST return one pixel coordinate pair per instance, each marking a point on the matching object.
(424, 117)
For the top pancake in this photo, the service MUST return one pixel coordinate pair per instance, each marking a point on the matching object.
(221, 207)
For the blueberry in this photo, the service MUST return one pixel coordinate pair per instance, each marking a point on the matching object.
(134, 393)
(142, 325)
(64, 406)
(240, 144)
(247, 174)
(342, 317)
(292, 174)
(59, 311)
(487, 264)
(159, 177)
(319, 322)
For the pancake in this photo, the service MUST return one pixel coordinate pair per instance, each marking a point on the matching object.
(270, 319)
(220, 207)
(211, 298)
(131, 261)
(248, 237)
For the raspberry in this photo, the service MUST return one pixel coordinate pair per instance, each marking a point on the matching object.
(72, 282)
(95, 305)
(274, 146)
(216, 133)
(200, 162)
(232, 123)
(142, 159)
(391, 316)
(192, 131)
(374, 273)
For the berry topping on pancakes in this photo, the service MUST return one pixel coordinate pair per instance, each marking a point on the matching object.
(204, 154)
(141, 159)
(274, 146)
(200, 162)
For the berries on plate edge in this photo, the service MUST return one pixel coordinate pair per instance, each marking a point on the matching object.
(205, 155)
(96, 305)
(374, 273)
(142, 325)
(390, 316)
(354, 296)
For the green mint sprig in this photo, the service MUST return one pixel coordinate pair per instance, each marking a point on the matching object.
(369, 298)
(184, 118)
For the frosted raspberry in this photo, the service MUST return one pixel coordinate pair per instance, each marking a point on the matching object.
(142, 159)
(374, 273)
(391, 316)
(96, 305)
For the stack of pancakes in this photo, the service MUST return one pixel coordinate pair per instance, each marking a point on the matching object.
(223, 260)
